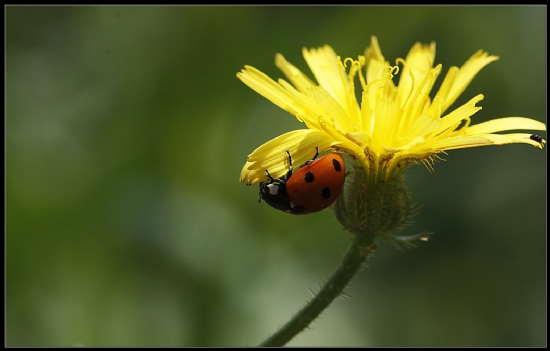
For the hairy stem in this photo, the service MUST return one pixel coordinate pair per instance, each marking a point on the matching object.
(354, 258)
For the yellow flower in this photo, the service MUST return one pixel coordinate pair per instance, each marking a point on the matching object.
(391, 126)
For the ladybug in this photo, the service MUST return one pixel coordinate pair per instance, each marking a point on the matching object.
(312, 188)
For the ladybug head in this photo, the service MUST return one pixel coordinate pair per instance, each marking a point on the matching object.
(273, 192)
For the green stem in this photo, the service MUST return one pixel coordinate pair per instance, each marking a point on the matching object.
(356, 255)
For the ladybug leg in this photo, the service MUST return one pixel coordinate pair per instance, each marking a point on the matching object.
(316, 153)
(269, 176)
(314, 157)
(289, 173)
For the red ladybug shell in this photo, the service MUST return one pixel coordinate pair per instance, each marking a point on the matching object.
(317, 184)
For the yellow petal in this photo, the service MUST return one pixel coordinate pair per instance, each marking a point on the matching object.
(526, 139)
(461, 142)
(506, 123)
(333, 110)
(269, 89)
(423, 125)
(453, 119)
(245, 173)
(419, 98)
(377, 66)
(285, 97)
(331, 75)
(299, 79)
(465, 75)
(312, 110)
(436, 109)
(417, 65)
(327, 70)
(272, 155)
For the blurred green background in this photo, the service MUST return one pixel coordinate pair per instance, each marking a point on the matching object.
(126, 130)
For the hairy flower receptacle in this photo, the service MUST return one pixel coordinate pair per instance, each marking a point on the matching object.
(373, 203)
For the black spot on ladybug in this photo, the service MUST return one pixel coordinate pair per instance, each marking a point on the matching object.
(536, 138)
(309, 177)
(337, 165)
(325, 193)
